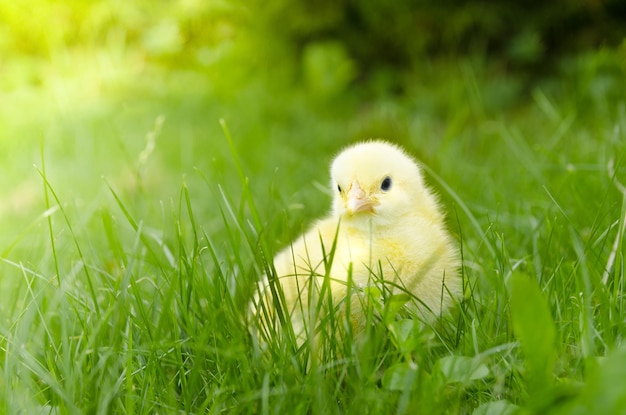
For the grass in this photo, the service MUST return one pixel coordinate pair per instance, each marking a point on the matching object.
(131, 250)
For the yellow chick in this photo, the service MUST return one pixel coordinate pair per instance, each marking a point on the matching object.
(384, 222)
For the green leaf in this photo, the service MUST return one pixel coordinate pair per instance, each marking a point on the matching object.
(502, 407)
(460, 369)
(533, 326)
(403, 334)
(603, 392)
(400, 376)
(393, 305)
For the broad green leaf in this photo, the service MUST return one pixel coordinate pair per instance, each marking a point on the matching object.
(603, 392)
(502, 407)
(533, 326)
(393, 305)
(460, 369)
(400, 376)
(403, 334)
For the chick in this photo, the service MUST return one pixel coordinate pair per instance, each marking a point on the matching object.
(384, 223)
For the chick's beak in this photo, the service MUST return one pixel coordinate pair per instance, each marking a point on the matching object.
(358, 200)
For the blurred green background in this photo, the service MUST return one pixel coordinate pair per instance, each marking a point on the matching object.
(131, 94)
(518, 107)
(89, 82)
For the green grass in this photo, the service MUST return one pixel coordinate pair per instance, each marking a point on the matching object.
(130, 252)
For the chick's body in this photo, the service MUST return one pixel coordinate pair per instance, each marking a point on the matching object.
(384, 222)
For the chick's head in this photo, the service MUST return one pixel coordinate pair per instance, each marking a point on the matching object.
(377, 180)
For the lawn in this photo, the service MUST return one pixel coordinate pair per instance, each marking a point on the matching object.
(141, 198)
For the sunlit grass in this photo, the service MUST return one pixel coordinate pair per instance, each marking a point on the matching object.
(135, 227)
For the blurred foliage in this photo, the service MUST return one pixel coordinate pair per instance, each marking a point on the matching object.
(327, 44)
(399, 34)
(75, 71)
(492, 98)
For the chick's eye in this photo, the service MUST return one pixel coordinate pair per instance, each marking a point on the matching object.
(386, 184)
(339, 188)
